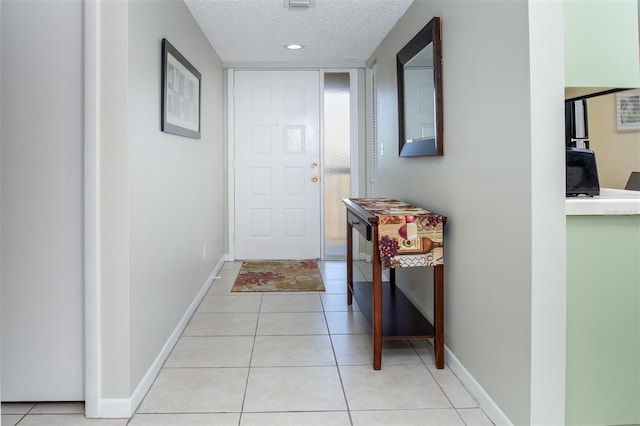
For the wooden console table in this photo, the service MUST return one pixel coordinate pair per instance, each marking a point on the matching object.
(402, 236)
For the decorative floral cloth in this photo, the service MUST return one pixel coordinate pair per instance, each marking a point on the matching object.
(407, 235)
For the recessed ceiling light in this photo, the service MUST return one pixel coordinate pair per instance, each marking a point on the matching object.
(294, 46)
(299, 4)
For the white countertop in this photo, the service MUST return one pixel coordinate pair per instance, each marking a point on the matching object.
(609, 202)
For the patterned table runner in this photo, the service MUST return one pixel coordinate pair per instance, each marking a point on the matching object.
(407, 235)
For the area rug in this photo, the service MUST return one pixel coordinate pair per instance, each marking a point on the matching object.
(279, 275)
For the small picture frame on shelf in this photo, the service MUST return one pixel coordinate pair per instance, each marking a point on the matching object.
(628, 111)
(180, 94)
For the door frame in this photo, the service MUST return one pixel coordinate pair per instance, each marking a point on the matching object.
(92, 320)
(357, 126)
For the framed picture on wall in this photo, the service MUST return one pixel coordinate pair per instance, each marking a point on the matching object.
(180, 94)
(628, 111)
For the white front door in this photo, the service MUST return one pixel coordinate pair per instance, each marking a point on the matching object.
(277, 164)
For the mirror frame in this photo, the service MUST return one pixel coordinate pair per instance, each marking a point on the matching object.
(431, 33)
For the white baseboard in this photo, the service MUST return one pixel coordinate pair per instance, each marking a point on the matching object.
(484, 400)
(115, 408)
(125, 407)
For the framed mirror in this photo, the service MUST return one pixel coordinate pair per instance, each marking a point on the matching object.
(419, 66)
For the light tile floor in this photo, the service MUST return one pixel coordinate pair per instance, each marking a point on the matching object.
(284, 359)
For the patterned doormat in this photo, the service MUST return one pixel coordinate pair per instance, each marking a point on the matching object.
(279, 275)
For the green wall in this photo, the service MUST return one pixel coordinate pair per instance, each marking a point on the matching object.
(603, 320)
(601, 43)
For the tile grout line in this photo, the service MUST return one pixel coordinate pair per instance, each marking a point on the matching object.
(440, 386)
(335, 358)
(253, 345)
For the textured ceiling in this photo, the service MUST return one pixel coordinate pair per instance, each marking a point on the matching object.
(332, 31)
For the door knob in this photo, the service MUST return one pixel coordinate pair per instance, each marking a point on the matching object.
(314, 166)
(314, 178)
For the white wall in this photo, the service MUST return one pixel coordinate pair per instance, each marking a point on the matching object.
(176, 183)
(158, 197)
(112, 209)
(161, 195)
(42, 299)
(0, 207)
(548, 224)
(494, 187)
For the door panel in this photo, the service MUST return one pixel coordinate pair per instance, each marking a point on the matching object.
(277, 198)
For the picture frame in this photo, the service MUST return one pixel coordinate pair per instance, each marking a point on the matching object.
(181, 90)
(628, 111)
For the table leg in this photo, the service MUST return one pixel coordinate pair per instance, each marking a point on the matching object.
(377, 303)
(392, 278)
(438, 296)
(349, 263)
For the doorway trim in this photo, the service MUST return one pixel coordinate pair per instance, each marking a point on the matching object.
(92, 359)
(231, 185)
